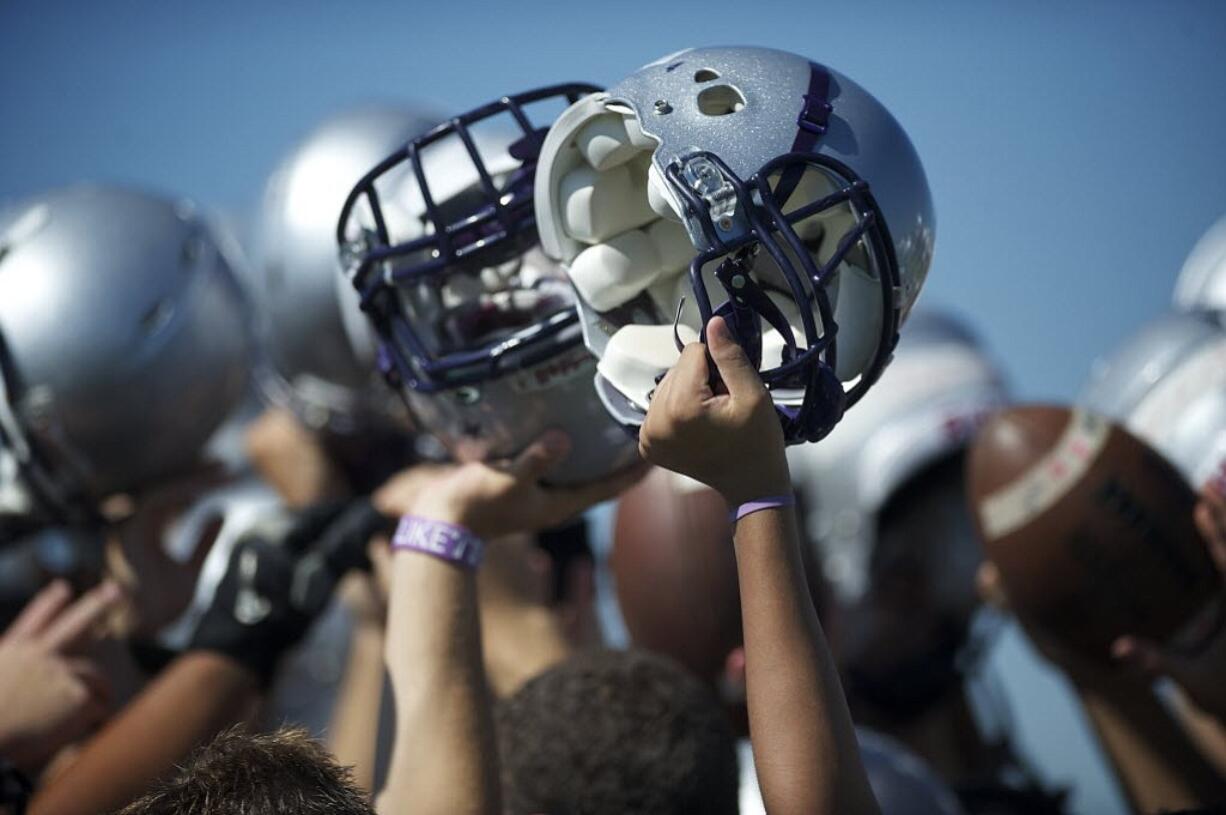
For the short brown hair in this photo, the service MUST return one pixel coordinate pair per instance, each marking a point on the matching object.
(276, 773)
(616, 732)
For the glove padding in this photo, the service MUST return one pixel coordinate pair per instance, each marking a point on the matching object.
(280, 578)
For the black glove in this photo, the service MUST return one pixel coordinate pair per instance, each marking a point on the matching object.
(279, 580)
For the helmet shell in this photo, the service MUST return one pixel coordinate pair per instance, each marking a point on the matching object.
(1202, 280)
(320, 356)
(926, 407)
(1167, 384)
(125, 335)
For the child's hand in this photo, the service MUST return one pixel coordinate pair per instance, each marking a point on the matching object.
(730, 438)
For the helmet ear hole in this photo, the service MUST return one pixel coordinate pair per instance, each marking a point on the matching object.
(720, 100)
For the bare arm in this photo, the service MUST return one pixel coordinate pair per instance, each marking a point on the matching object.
(730, 439)
(445, 758)
(1156, 763)
(354, 727)
(804, 747)
(199, 694)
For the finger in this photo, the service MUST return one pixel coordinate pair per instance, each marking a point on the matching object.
(539, 457)
(1144, 655)
(72, 627)
(1213, 529)
(735, 369)
(570, 501)
(690, 376)
(93, 678)
(989, 588)
(39, 612)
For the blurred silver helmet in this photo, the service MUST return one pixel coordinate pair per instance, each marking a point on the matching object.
(319, 352)
(925, 408)
(750, 183)
(478, 328)
(123, 341)
(1167, 384)
(1202, 281)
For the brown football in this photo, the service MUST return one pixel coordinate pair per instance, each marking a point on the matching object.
(675, 571)
(1091, 530)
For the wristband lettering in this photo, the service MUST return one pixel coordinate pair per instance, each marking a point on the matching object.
(769, 502)
(445, 541)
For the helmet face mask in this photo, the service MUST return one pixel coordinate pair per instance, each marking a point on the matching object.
(476, 327)
(758, 177)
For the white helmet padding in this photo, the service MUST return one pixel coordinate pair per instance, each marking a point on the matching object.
(635, 160)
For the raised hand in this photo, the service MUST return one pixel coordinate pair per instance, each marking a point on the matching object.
(52, 696)
(499, 498)
(1202, 675)
(729, 437)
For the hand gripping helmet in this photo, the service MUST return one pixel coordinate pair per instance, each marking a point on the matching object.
(1167, 384)
(1202, 281)
(477, 328)
(320, 357)
(123, 342)
(749, 183)
(924, 410)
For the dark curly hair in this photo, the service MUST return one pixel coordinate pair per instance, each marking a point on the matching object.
(616, 732)
(281, 773)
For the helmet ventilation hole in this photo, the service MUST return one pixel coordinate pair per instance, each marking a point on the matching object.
(705, 75)
(720, 100)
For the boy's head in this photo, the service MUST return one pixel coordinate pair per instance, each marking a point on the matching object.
(267, 774)
(616, 732)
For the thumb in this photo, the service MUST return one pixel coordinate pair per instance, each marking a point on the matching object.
(734, 367)
(539, 457)
(1148, 657)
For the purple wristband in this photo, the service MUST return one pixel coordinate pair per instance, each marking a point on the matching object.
(769, 502)
(445, 541)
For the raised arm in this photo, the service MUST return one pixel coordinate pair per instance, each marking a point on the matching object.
(730, 439)
(444, 759)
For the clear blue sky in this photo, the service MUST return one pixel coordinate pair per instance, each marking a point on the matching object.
(1075, 151)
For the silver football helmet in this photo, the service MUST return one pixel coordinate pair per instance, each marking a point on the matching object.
(750, 183)
(319, 352)
(477, 327)
(925, 408)
(123, 342)
(1202, 281)
(1167, 384)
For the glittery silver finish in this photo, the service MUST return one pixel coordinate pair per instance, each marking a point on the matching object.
(125, 333)
(317, 363)
(862, 134)
(499, 417)
(741, 108)
(1202, 281)
(924, 408)
(1167, 384)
